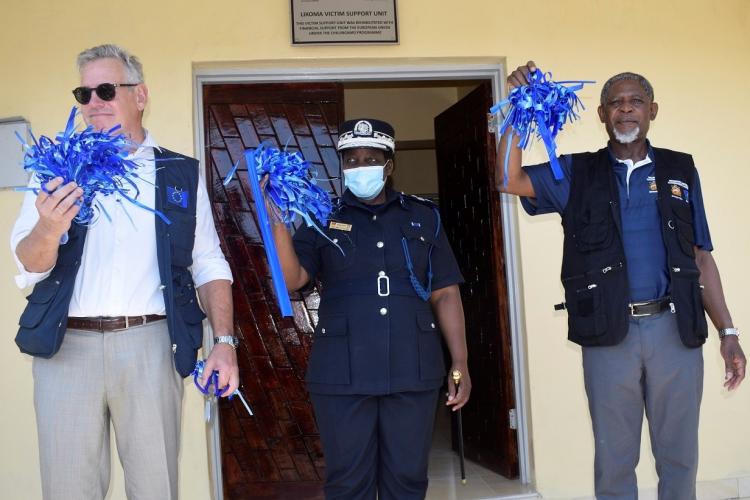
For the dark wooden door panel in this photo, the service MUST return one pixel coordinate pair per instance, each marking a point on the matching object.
(470, 207)
(277, 453)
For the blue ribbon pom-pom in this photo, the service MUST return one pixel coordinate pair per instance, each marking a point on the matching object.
(540, 109)
(95, 161)
(292, 185)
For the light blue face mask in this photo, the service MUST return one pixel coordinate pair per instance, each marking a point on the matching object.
(365, 182)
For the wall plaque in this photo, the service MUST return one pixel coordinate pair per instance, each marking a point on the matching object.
(344, 21)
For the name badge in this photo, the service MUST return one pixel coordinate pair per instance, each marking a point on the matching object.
(341, 226)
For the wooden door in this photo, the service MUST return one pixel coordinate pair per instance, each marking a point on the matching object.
(277, 453)
(470, 207)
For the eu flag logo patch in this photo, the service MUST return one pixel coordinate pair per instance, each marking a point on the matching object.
(177, 196)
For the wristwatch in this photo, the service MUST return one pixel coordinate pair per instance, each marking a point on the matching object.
(227, 339)
(728, 331)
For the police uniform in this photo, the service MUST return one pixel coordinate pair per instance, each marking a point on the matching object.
(376, 364)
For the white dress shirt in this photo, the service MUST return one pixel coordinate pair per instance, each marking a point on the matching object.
(119, 273)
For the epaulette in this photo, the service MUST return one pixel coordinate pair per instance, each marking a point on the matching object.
(337, 203)
(418, 199)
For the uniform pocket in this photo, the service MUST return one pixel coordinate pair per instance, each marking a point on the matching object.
(330, 359)
(337, 253)
(431, 364)
(419, 241)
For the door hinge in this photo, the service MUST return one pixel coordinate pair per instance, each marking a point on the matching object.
(512, 419)
(492, 123)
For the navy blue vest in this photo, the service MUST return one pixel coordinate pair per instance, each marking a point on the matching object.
(594, 268)
(43, 322)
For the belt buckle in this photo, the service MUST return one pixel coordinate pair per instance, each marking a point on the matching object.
(387, 286)
(143, 318)
(632, 307)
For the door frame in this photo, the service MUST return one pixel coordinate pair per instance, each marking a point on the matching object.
(393, 70)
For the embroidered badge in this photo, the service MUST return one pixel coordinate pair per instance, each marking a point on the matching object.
(177, 196)
(679, 190)
(341, 226)
(651, 184)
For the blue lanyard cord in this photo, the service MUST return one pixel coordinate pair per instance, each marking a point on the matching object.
(423, 292)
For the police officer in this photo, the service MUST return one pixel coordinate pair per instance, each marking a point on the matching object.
(389, 287)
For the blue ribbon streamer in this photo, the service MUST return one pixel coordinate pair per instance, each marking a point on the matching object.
(540, 109)
(277, 276)
(213, 380)
(95, 161)
(292, 185)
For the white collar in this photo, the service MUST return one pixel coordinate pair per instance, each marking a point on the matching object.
(145, 149)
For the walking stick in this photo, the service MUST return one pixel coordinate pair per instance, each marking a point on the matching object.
(456, 374)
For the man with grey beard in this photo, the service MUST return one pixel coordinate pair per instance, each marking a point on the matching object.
(638, 275)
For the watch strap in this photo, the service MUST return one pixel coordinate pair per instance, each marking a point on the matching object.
(724, 332)
(227, 339)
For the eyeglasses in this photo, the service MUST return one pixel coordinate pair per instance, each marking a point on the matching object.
(105, 91)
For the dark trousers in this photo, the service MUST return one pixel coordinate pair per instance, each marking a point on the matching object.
(376, 444)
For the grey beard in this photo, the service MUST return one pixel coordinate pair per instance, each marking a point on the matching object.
(626, 138)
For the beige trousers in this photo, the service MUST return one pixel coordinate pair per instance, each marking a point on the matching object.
(126, 377)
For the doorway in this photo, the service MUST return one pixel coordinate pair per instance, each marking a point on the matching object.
(304, 116)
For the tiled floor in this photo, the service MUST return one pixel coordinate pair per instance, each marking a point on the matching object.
(483, 484)
(445, 473)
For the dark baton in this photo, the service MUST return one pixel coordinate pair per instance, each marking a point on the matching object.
(456, 375)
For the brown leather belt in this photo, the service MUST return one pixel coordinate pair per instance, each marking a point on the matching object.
(108, 324)
(651, 307)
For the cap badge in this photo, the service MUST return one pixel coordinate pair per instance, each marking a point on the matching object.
(363, 127)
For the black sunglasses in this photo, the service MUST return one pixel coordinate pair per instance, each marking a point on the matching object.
(105, 91)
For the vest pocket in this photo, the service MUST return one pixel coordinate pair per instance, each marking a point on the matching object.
(193, 316)
(594, 230)
(330, 360)
(181, 238)
(40, 300)
(687, 293)
(35, 336)
(586, 316)
(682, 223)
(431, 364)
(186, 305)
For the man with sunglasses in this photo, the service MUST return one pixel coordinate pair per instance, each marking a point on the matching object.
(113, 320)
